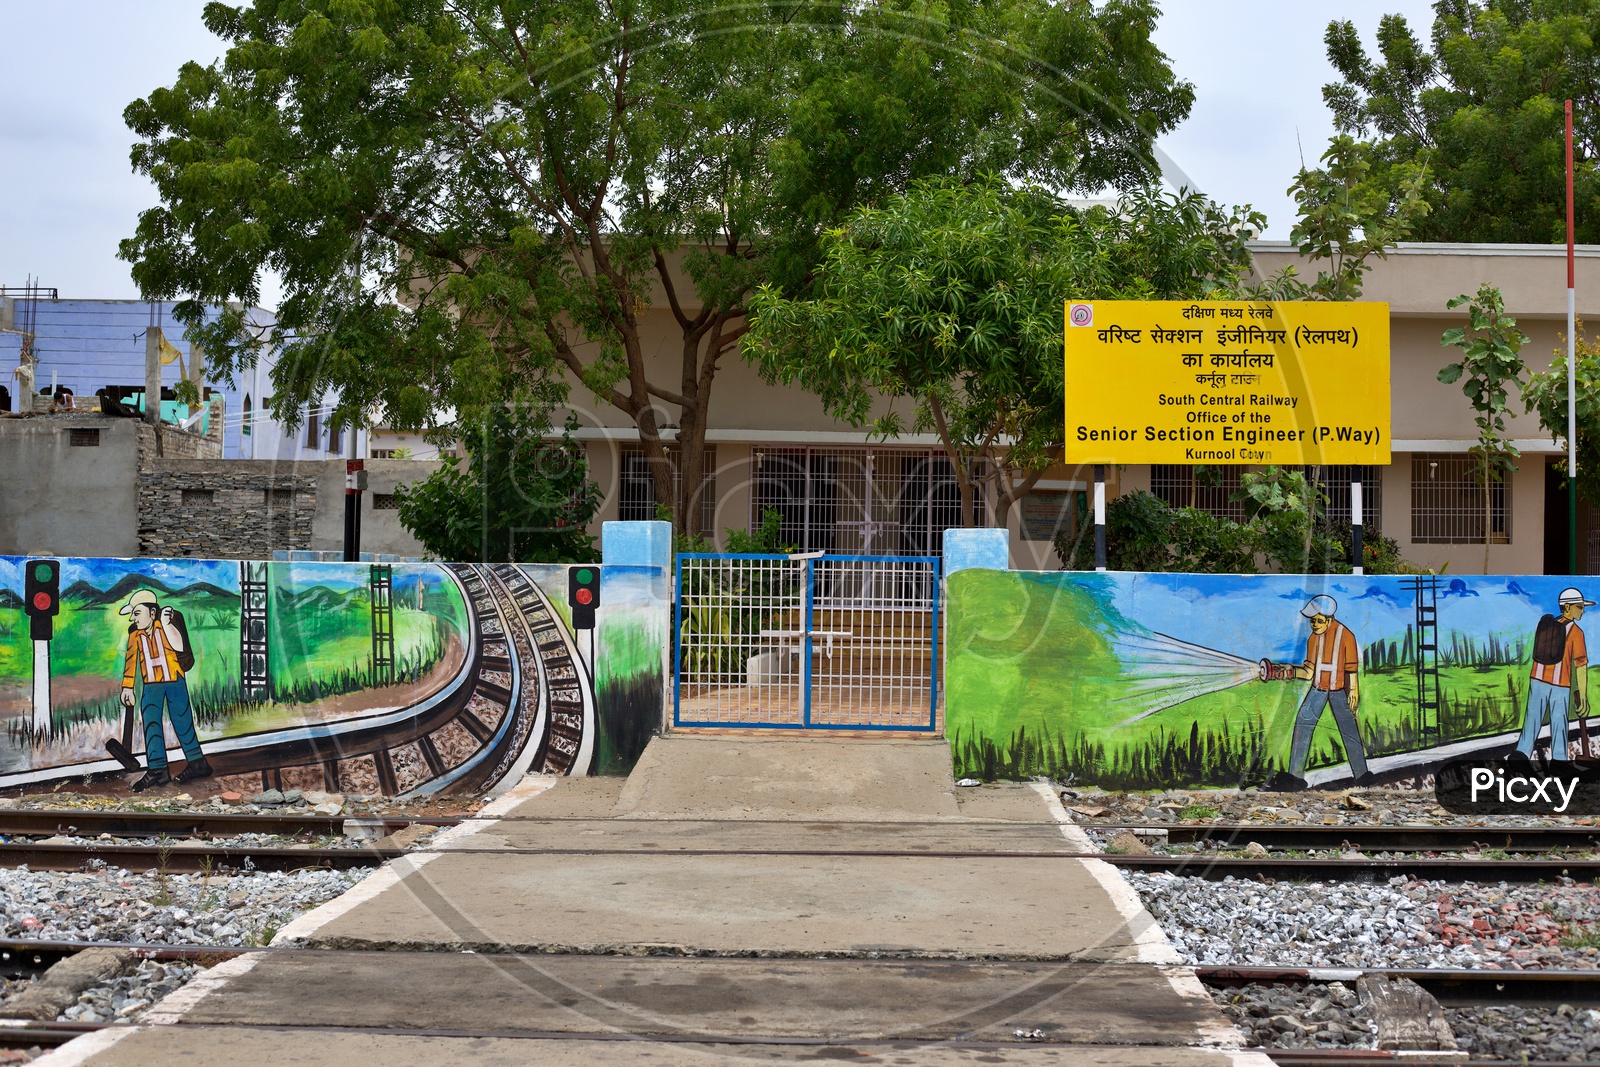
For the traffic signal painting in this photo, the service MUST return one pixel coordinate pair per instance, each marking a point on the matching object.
(583, 595)
(42, 596)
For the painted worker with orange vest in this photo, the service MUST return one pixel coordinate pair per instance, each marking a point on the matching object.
(1560, 680)
(1333, 667)
(158, 657)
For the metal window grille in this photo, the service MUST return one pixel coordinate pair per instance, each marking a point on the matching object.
(385, 502)
(199, 498)
(1447, 501)
(277, 498)
(83, 438)
(861, 500)
(1174, 485)
(1334, 481)
(636, 490)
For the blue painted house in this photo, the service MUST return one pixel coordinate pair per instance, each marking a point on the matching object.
(86, 345)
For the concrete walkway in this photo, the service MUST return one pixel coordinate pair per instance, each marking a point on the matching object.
(734, 901)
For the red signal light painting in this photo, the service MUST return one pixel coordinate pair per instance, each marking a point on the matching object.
(584, 596)
(42, 601)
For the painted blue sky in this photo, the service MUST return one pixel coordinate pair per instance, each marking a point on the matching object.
(1259, 615)
(104, 573)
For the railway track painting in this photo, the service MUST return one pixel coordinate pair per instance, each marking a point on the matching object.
(394, 679)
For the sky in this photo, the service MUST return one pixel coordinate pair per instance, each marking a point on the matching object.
(68, 193)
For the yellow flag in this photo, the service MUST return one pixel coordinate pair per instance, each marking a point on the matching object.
(169, 353)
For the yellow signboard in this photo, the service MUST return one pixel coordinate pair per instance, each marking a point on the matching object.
(1172, 381)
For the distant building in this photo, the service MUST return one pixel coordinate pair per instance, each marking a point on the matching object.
(86, 345)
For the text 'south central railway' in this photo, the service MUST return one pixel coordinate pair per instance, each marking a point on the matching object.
(1171, 381)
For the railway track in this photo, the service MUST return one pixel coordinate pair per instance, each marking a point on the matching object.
(83, 821)
(26, 959)
(189, 843)
(1377, 838)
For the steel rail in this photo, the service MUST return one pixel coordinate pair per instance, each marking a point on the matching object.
(188, 858)
(1391, 837)
(1453, 986)
(183, 858)
(85, 822)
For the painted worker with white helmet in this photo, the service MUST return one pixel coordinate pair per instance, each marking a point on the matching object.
(1333, 667)
(1560, 679)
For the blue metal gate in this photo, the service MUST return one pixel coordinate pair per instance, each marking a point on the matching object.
(810, 641)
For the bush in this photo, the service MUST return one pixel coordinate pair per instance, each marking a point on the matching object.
(1145, 534)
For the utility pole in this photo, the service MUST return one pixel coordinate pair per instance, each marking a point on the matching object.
(355, 480)
(1572, 368)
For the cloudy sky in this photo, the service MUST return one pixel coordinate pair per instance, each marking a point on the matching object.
(68, 194)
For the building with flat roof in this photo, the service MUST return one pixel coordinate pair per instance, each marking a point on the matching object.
(841, 491)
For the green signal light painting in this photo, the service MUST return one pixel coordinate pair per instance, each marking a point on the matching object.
(585, 576)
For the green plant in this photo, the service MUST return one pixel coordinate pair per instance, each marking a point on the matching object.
(1490, 360)
(1199, 811)
(767, 540)
(163, 894)
(187, 393)
(1546, 394)
(519, 499)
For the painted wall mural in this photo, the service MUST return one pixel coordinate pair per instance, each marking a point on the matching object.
(400, 679)
(1132, 680)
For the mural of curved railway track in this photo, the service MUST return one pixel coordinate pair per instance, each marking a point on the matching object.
(403, 679)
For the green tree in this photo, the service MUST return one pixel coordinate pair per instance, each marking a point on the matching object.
(1483, 107)
(1347, 221)
(1490, 360)
(475, 200)
(948, 300)
(1546, 394)
(519, 498)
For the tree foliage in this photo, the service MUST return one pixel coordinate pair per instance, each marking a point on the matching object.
(475, 200)
(1490, 360)
(519, 498)
(1481, 102)
(1346, 221)
(947, 300)
(1546, 395)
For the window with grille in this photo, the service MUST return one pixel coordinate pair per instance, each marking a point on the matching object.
(1176, 486)
(636, 499)
(203, 498)
(83, 438)
(1447, 501)
(860, 500)
(1334, 481)
(277, 498)
(385, 502)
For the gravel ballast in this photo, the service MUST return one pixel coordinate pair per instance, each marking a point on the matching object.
(112, 904)
(1400, 924)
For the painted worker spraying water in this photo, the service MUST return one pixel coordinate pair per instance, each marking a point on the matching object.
(1333, 667)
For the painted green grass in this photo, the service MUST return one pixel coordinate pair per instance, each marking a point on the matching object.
(1024, 650)
(629, 687)
(320, 641)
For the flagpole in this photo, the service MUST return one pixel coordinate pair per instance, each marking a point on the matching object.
(1572, 360)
